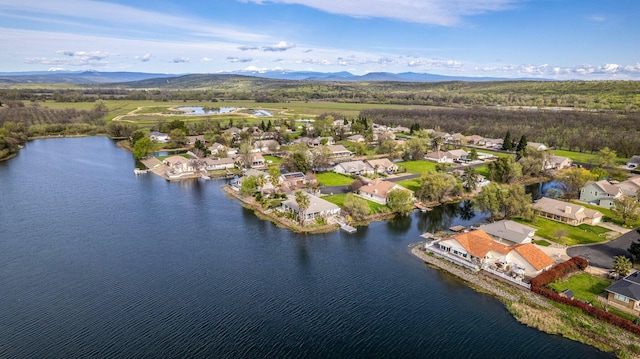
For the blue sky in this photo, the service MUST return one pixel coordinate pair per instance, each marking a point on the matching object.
(556, 39)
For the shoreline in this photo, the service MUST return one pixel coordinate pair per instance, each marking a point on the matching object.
(536, 311)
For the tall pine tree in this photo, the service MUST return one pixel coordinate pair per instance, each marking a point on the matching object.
(507, 144)
(521, 149)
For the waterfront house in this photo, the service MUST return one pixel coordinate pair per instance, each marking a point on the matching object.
(353, 168)
(216, 148)
(477, 247)
(509, 232)
(566, 212)
(212, 164)
(318, 207)
(378, 190)
(626, 292)
(382, 165)
(191, 140)
(601, 193)
(179, 164)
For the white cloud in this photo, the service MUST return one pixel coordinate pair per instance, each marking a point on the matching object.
(239, 59)
(144, 58)
(247, 48)
(179, 60)
(281, 46)
(206, 59)
(437, 12)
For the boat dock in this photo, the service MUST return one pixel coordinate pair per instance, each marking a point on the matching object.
(421, 207)
(347, 228)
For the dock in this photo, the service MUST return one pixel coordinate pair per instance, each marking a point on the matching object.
(347, 228)
(421, 207)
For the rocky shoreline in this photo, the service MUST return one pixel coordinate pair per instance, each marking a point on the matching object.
(541, 313)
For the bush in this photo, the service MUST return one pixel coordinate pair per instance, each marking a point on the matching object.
(572, 265)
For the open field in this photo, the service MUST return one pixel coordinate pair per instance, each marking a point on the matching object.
(418, 167)
(585, 157)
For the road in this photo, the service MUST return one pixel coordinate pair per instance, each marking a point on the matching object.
(601, 255)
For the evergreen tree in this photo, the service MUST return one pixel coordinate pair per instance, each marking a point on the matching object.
(521, 149)
(507, 144)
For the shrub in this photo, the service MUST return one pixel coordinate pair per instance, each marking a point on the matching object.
(562, 269)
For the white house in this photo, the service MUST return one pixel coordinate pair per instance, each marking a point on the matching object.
(212, 164)
(179, 164)
(318, 207)
(357, 168)
(382, 165)
(378, 190)
(438, 156)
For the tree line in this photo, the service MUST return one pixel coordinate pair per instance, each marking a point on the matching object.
(581, 131)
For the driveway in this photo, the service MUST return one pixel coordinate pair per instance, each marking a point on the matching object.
(601, 255)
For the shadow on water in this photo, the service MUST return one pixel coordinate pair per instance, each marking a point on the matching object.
(442, 217)
(551, 189)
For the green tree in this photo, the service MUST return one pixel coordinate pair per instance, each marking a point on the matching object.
(473, 154)
(249, 186)
(321, 158)
(621, 265)
(142, 148)
(521, 149)
(606, 157)
(507, 143)
(504, 201)
(388, 147)
(356, 207)
(274, 176)
(178, 137)
(469, 179)
(436, 186)
(504, 170)
(436, 143)
(246, 153)
(303, 204)
(137, 135)
(627, 208)
(572, 180)
(400, 201)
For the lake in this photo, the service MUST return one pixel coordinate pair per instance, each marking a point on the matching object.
(98, 262)
(198, 110)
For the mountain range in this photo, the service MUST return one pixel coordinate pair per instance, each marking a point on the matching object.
(88, 77)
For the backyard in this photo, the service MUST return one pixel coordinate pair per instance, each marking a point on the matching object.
(565, 234)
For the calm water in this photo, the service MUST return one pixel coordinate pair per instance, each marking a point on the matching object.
(197, 110)
(96, 262)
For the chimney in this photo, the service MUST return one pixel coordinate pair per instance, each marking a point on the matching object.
(567, 209)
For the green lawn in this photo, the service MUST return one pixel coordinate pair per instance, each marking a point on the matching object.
(582, 234)
(273, 159)
(333, 179)
(585, 157)
(338, 199)
(411, 184)
(583, 285)
(418, 167)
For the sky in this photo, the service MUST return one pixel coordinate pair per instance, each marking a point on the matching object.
(551, 39)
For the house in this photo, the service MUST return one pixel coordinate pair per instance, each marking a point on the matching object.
(356, 138)
(318, 207)
(191, 140)
(631, 186)
(378, 190)
(315, 142)
(557, 163)
(438, 156)
(566, 212)
(357, 168)
(156, 136)
(179, 164)
(400, 129)
(492, 142)
(382, 165)
(510, 232)
(213, 164)
(479, 248)
(266, 145)
(256, 159)
(537, 146)
(456, 139)
(457, 155)
(601, 193)
(626, 292)
(474, 139)
(215, 147)
(339, 152)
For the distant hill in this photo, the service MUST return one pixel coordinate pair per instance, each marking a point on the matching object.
(84, 77)
(93, 77)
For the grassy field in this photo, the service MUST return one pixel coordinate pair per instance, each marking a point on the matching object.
(585, 157)
(582, 234)
(333, 179)
(608, 214)
(411, 184)
(338, 199)
(418, 167)
(275, 160)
